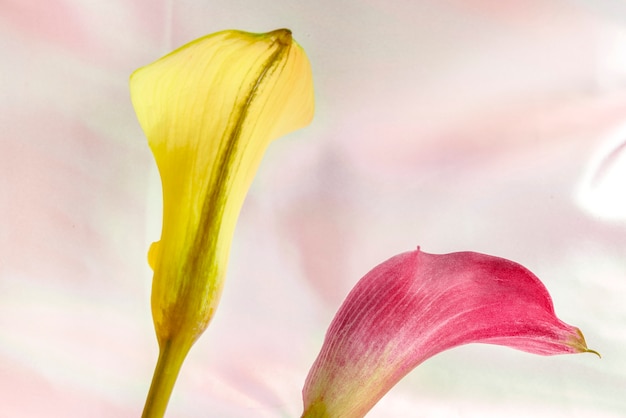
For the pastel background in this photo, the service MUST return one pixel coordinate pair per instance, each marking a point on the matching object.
(492, 126)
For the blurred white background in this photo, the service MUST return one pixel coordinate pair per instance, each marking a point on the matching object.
(492, 126)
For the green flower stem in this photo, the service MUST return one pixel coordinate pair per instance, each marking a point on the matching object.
(171, 357)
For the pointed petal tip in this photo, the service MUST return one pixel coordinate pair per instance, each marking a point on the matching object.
(283, 36)
(593, 352)
(580, 345)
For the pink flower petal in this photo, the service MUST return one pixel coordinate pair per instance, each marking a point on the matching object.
(416, 305)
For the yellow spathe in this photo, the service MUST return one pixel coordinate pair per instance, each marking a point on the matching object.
(209, 110)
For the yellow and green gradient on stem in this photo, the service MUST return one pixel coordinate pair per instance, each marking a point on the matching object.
(209, 110)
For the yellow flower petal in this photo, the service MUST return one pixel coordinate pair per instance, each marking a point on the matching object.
(209, 111)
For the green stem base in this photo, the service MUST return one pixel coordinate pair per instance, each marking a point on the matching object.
(171, 357)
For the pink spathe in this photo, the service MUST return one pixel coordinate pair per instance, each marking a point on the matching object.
(416, 305)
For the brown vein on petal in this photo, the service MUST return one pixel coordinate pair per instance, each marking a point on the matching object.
(205, 241)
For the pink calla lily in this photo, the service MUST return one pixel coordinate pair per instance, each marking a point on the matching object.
(416, 305)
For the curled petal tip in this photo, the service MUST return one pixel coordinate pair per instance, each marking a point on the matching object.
(283, 36)
(579, 344)
(588, 350)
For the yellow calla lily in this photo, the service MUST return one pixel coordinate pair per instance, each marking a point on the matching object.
(209, 110)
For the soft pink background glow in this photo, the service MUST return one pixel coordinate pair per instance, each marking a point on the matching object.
(457, 125)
